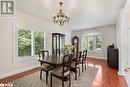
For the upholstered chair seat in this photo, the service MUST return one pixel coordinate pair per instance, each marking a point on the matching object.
(46, 67)
(63, 72)
(58, 71)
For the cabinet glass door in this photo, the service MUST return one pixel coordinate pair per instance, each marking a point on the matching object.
(58, 41)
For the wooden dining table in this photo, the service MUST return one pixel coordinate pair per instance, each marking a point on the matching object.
(53, 59)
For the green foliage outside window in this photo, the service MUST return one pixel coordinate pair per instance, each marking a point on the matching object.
(39, 41)
(24, 42)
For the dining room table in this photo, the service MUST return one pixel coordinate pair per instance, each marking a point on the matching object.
(55, 60)
(52, 59)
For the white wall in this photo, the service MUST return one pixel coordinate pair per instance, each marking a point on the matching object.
(7, 66)
(123, 24)
(109, 35)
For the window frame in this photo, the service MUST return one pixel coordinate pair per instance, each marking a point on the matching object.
(94, 36)
(15, 44)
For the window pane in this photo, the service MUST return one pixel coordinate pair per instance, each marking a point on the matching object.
(91, 43)
(24, 42)
(98, 42)
(84, 43)
(39, 41)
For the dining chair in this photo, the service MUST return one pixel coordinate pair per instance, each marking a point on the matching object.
(63, 72)
(83, 59)
(44, 66)
(75, 64)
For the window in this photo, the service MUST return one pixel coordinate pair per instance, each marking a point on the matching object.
(28, 43)
(92, 41)
(39, 41)
(98, 42)
(24, 42)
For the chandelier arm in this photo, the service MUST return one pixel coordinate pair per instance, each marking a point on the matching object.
(61, 18)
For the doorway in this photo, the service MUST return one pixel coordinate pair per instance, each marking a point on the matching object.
(128, 44)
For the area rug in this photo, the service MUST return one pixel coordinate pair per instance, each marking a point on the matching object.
(84, 80)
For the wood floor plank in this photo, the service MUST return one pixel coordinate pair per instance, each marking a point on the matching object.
(20, 75)
(106, 77)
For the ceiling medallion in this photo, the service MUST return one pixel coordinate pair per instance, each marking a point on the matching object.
(60, 17)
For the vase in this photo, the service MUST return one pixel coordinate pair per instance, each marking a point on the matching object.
(68, 51)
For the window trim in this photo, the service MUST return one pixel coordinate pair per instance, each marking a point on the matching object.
(94, 35)
(33, 56)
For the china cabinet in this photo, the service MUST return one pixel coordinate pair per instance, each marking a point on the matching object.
(112, 57)
(58, 42)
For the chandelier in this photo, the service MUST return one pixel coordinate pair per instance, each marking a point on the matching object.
(60, 17)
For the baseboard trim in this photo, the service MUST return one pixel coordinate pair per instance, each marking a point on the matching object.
(121, 73)
(4, 75)
(97, 57)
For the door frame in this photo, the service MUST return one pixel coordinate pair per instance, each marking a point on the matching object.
(128, 48)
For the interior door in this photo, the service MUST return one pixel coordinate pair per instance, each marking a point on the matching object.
(128, 58)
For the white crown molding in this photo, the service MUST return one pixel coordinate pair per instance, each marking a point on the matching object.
(4, 75)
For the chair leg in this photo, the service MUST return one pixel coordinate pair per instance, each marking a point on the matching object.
(51, 81)
(82, 67)
(76, 75)
(69, 81)
(62, 82)
(47, 77)
(85, 65)
(79, 71)
(41, 74)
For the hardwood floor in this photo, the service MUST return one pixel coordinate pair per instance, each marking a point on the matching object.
(106, 77)
(14, 77)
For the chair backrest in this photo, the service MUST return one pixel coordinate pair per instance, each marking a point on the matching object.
(66, 63)
(84, 55)
(78, 57)
(43, 54)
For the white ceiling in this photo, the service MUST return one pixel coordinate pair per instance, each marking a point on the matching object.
(84, 13)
